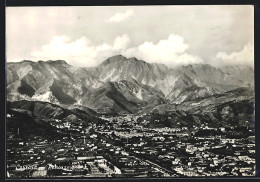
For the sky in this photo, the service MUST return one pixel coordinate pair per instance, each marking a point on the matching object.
(171, 35)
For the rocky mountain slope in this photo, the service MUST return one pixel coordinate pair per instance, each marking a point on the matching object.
(232, 108)
(120, 85)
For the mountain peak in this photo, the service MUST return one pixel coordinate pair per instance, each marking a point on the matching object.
(113, 59)
(27, 61)
(135, 59)
(120, 58)
(41, 61)
(56, 62)
(117, 57)
(21, 62)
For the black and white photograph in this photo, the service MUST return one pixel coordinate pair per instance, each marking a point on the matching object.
(158, 91)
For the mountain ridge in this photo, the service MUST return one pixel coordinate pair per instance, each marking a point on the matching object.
(137, 83)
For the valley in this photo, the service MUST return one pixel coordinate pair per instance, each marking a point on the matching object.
(129, 118)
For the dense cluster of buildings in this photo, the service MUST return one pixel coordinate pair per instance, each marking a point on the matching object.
(125, 147)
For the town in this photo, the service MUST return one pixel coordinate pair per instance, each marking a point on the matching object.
(125, 146)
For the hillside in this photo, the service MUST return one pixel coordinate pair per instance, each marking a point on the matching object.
(232, 108)
(120, 85)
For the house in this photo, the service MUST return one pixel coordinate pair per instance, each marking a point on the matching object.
(222, 129)
(21, 143)
(251, 151)
(124, 153)
(227, 140)
(246, 159)
(176, 161)
(31, 151)
(245, 169)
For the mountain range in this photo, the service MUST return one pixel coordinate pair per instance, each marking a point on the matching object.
(120, 85)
